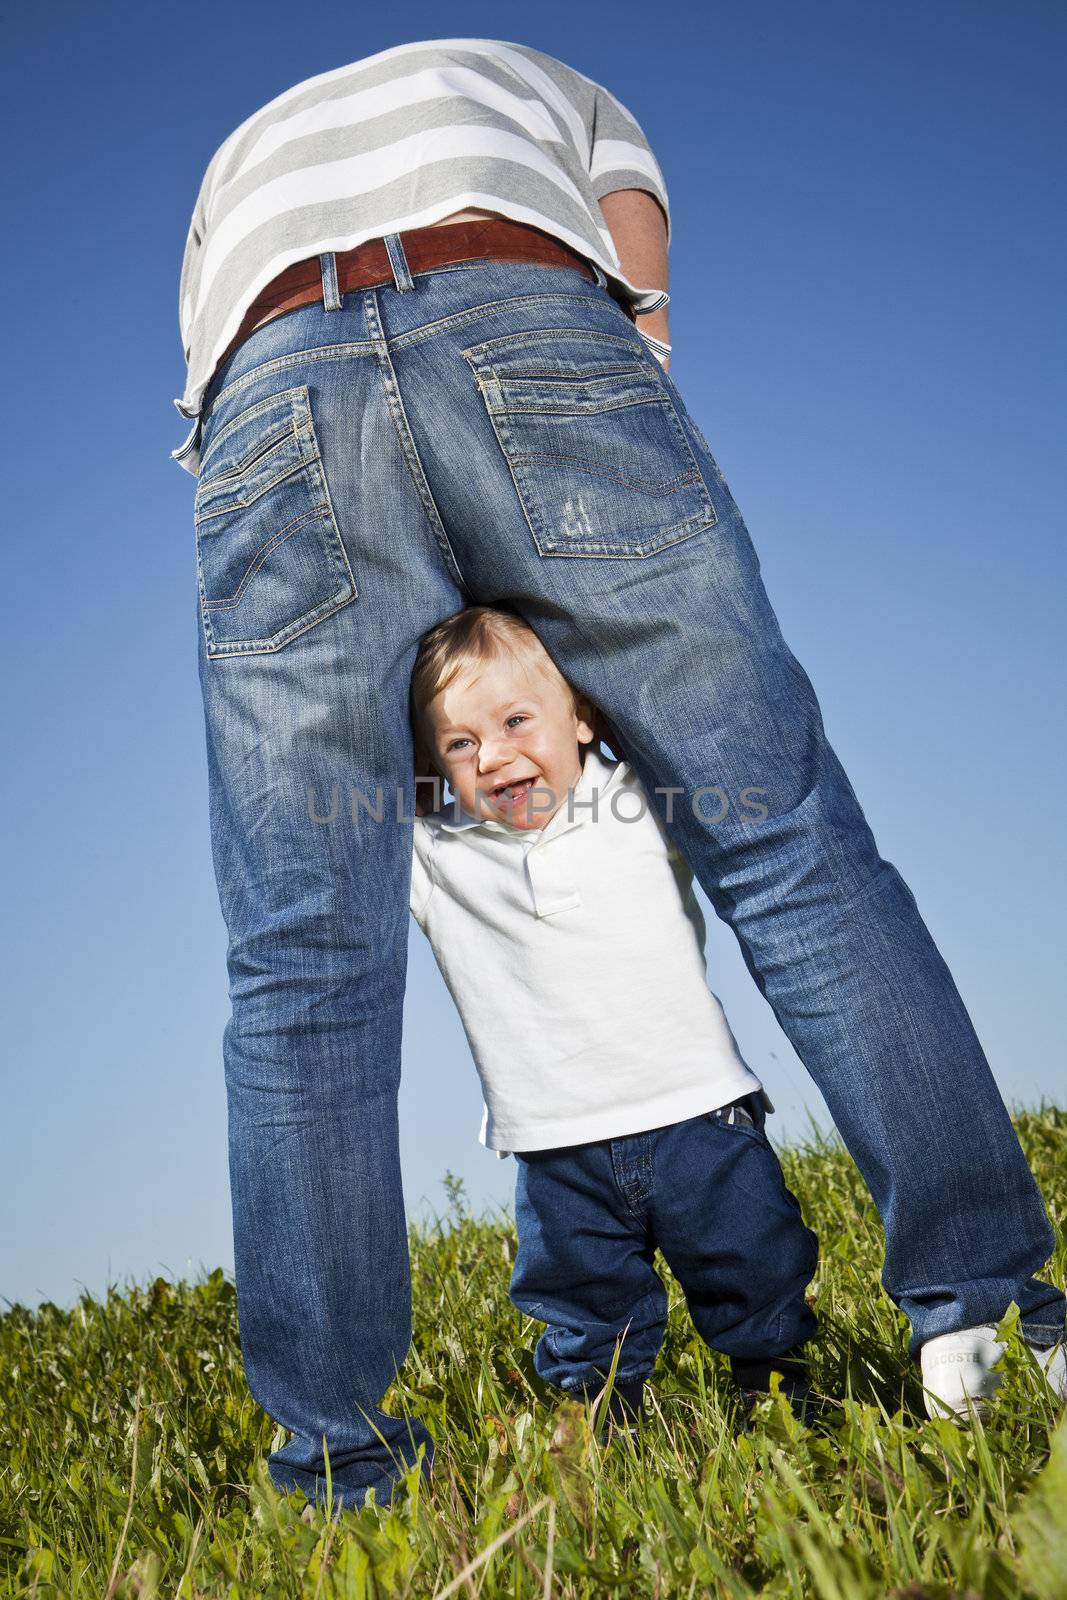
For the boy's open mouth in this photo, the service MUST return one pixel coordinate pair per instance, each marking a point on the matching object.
(511, 793)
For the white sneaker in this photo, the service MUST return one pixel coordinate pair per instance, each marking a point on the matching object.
(958, 1375)
(1053, 1364)
(957, 1371)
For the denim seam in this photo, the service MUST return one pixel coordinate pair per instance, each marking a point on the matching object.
(598, 552)
(395, 406)
(476, 353)
(341, 350)
(457, 319)
(367, 347)
(236, 502)
(634, 483)
(479, 263)
(289, 430)
(638, 1190)
(298, 404)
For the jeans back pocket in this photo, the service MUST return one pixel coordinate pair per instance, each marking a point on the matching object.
(270, 559)
(600, 461)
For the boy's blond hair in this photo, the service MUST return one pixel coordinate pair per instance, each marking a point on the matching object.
(473, 635)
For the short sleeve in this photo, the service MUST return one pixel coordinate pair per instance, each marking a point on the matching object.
(189, 280)
(620, 155)
(421, 878)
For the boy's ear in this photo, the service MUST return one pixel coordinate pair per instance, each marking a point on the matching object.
(586, 712)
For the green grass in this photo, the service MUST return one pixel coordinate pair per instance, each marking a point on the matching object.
(132, 1456)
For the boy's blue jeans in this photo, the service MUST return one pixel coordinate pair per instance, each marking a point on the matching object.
(711, 1196)
(488, 431)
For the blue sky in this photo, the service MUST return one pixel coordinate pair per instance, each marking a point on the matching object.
(866, 255)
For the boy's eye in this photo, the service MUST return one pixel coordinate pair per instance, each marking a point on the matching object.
(518, 716)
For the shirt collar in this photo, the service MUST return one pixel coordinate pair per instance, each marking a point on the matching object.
(596, 774)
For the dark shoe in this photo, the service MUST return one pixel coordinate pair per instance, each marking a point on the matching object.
(624, 1412)
(753, 1379)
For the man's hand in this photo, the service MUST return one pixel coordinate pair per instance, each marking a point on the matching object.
(639, 229)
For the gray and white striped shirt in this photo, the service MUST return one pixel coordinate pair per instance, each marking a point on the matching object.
(398, 140)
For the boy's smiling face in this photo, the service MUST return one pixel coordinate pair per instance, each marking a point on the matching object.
(505, 726)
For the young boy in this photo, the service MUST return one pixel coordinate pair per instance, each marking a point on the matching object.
(564, 923)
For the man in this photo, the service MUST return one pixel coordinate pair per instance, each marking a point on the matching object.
(423, 304)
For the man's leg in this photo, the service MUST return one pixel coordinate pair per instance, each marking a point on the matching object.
(318, 572)
(573, 482)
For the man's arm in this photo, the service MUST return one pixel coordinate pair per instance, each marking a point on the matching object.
(639, 229)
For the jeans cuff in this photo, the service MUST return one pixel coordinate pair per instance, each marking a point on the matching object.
(589, 1388)
(1043, 1335)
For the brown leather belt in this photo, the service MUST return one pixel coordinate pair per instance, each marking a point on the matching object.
(436, 245)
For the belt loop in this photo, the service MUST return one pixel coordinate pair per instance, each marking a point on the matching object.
(601, 275)
(331, 294)
(399, 262)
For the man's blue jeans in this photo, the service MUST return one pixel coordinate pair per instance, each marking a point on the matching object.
(494, 431)
(710, 1194)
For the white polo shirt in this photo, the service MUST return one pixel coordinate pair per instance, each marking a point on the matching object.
(575, 954)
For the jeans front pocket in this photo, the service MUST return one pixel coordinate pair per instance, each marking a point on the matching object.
(745, 1117)
(601, 463)
(270, 559)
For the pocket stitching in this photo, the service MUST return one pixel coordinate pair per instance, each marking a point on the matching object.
(261, 554)
(257, 454)
(581, 411)
(547, 544)
(590, 374)
(295, 395)
(239, 502)
(635, 483)
(277, 641)
(320, 510)
(474, 353)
